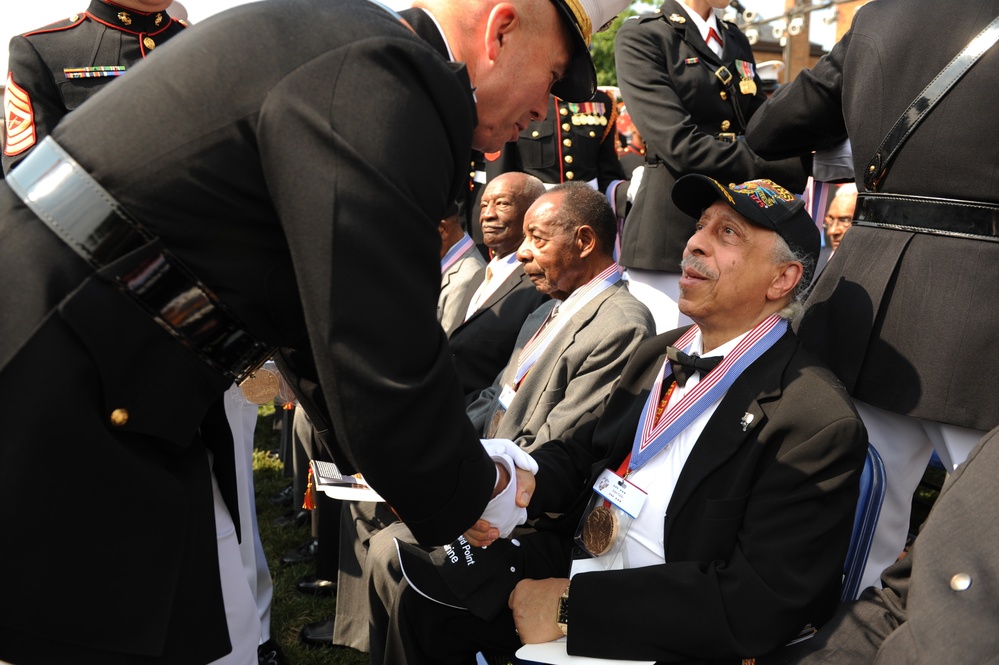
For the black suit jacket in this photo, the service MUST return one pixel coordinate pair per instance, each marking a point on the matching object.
(667, 77)
(481, 345)
(887, 292)
(757, 527)
(263, 182)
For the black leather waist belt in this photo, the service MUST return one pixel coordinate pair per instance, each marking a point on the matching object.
(974, 220)
(88, 219)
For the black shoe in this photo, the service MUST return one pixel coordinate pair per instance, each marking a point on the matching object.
(295, 518)
(268, 653)
(316, 586)
(318, 634)
(302, 554)
(283, 498)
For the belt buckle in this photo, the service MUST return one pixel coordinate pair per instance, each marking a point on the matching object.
(727, 137)
(723, 75)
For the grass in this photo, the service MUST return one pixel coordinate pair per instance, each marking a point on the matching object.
(290, 610)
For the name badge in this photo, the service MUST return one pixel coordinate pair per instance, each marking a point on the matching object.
(506, 396)
(621, 492)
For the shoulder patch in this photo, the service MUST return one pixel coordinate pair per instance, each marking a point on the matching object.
(20, 118)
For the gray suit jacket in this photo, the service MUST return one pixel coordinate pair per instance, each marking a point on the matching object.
(919, 616)
(572, 377)
(459, 279)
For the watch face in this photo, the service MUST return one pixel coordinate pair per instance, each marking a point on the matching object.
(563, 611)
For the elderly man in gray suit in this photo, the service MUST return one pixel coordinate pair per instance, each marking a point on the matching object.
(568, 356)
(460, 261)
(573, 347)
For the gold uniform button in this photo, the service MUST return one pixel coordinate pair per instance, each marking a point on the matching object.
(149, 43)
(568, 159)
(592, 134)
(723, 95)
(725, 125)
(74, 18)
(566, 127)
(535, 134)
(119, 417)
(567, 143)
(569, 175)
(564, 111)
(960, 582)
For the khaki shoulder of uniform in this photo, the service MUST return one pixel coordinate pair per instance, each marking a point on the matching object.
(58, 26)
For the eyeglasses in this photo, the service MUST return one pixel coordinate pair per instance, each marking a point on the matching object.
(832, 222)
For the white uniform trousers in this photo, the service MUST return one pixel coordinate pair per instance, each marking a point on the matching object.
(905, 445)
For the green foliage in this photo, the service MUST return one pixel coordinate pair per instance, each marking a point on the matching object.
(602, 50)
(603, 42)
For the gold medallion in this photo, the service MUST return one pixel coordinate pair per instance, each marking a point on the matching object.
(599, 530)
(747, 86)
(260, 387)
(149, 43)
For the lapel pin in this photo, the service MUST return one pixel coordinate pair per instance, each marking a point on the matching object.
(746, 419)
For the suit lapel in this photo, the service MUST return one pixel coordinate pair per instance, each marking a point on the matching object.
(509, 284)
(537, 379)
(755, 392)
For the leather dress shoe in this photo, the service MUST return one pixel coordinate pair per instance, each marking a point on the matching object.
(283, 498)
(316, 586)
(293, 518)
(319, 634)
(302, 554)
(268, 653)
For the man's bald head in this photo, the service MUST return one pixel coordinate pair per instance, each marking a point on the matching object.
(514, 52)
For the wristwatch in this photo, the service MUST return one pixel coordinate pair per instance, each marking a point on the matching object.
(562, 617)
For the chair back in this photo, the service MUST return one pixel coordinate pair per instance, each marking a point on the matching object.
(872, 495)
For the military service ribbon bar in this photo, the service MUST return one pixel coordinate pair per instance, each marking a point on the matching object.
(93, 72)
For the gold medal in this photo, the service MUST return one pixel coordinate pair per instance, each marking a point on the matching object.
(747, 86)
(599, 530)
(260, 387)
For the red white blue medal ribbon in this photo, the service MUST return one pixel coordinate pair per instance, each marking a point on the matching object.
(651, 437)
(455, 252)
(575, 302)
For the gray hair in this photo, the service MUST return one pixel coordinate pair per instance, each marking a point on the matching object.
(783, 253)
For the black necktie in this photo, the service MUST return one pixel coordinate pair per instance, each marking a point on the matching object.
(684, 366)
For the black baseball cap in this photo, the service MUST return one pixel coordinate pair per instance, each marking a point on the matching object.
(762, 202)
(459, 575)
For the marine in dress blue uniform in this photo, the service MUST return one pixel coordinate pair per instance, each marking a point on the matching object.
(55, 69)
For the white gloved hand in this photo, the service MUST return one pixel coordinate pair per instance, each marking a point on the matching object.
(502, 511)
(519, 456)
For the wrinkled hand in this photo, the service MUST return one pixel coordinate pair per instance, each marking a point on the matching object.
(535, 605)
(482, 533)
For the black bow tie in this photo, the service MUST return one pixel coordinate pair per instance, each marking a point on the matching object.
(684, 366)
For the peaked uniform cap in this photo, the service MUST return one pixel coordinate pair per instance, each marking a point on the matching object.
(584, 18)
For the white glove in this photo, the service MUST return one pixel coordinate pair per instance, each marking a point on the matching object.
(519, 456)
(502, 511)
